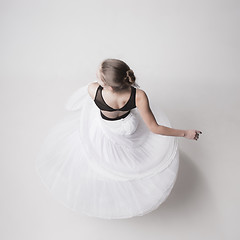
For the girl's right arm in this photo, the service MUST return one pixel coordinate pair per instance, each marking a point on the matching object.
(92, 88)
(142, 104)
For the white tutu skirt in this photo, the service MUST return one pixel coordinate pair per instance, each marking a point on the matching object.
(107, 169)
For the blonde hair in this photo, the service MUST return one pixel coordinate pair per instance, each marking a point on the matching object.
(117, 74)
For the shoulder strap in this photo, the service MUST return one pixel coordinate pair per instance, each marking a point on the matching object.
(100, 101)
(133, 97)
(97, 94)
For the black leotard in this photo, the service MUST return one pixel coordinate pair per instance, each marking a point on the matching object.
(131, 103)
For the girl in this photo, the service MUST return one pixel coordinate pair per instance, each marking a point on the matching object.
(115, 79)
(109, 157)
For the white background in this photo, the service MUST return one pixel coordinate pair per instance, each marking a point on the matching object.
(185, 55)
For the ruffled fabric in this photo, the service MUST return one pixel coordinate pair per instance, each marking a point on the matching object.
(107, 169)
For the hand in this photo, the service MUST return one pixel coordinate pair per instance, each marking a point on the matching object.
(192, 134)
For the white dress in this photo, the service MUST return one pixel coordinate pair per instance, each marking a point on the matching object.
(107, 169)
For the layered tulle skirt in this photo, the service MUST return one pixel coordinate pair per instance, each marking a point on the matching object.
(107, 169)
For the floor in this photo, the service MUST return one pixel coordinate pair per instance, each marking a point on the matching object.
(191, 73)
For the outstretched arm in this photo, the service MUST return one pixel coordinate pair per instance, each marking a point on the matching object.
(142, 104)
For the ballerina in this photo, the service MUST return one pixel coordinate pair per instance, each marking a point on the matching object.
(109, 157)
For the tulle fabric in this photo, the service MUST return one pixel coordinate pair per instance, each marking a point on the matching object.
(107, 169)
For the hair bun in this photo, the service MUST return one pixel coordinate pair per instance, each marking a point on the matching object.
(130, 78)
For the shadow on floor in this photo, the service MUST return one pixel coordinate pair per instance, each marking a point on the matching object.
(187, 192)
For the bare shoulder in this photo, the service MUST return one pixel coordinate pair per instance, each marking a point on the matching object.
(92, 88)
(141, 96)
(140, 93)
(142, 103)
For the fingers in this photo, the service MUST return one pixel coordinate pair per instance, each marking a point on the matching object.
(193, 134)
(197, 134)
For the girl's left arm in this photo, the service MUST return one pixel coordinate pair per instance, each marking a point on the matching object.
(142, 104)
